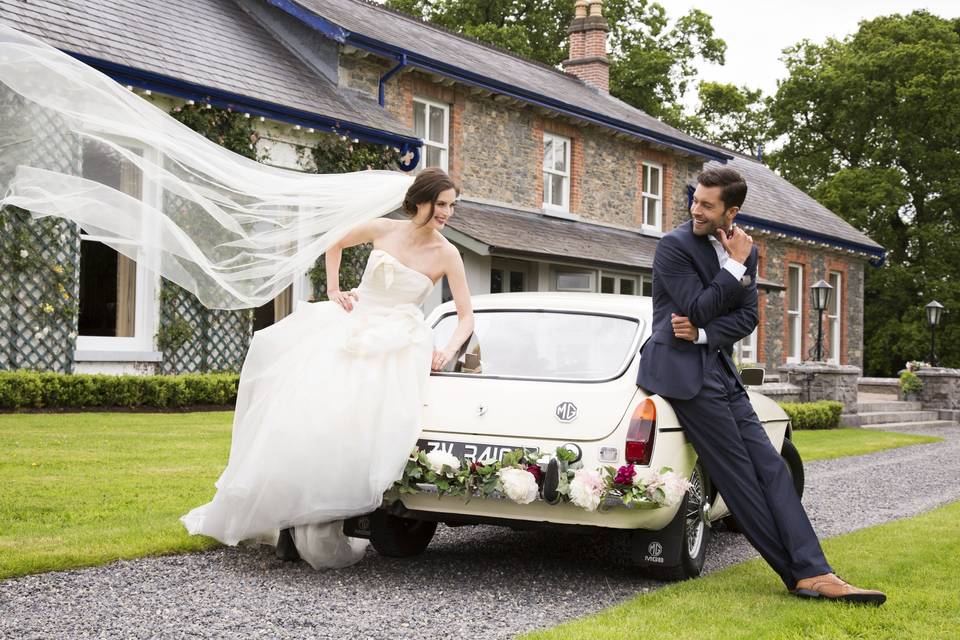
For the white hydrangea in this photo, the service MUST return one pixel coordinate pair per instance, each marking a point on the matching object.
(438, 458)
(519, 485)
(674, 488)
(586, 488)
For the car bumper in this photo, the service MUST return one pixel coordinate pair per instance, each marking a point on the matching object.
(612, 515)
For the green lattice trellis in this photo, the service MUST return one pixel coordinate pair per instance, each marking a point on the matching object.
(39, 259)
(207, 339)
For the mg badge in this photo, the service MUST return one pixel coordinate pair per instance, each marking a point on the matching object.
(655, 549)
(566, 412)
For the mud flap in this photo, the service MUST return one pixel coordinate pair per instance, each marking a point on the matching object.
(357, 526)
(659, 548)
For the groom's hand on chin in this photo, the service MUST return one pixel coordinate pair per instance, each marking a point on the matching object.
(683, 328)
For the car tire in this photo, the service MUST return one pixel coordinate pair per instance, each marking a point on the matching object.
(695, 533)
(397, 537)
(794, 462)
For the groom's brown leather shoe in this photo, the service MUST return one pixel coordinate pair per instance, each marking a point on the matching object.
(830, 587)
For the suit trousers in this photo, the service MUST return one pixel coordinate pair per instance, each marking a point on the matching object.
(750, 474)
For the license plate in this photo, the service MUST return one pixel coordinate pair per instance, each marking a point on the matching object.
(471, 450)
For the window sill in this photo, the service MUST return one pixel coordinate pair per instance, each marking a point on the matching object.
(559, 213)
(117, 356)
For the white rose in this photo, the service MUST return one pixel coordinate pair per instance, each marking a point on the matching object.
(519, 485)
(674, 488)
(586, 489)
(438, 458)
(24, 253)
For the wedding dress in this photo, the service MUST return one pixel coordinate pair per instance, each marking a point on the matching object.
(328, 410)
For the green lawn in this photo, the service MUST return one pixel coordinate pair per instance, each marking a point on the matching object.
(915, 561)
(837, 443)
(88, 488)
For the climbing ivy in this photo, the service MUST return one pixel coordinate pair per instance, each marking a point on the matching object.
(225, 127)
(339, 154)
(53, 281)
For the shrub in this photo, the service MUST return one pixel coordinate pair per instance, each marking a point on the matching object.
(824, 414)
(27, 389)
(910, 382)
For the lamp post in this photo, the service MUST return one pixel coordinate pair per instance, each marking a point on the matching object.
(934, 311)
(821, 298)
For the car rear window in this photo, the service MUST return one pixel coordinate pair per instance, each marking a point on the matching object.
(543, 344)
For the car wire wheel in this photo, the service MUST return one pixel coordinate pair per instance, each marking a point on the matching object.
(695, 513)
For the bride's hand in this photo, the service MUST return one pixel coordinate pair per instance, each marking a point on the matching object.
(344, 299)
(441, 359)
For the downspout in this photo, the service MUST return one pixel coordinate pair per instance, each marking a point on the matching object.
(401, 63)
(406, 148)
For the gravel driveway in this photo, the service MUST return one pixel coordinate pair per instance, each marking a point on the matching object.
(472, 580)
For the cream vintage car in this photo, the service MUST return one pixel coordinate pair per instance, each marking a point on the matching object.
(549, 370)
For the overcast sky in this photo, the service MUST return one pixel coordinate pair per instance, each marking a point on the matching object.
(756, 31)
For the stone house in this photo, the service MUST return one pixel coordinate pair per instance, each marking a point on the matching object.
(565, 188)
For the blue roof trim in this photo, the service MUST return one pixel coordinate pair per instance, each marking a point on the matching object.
(385, 49)
(255, 107)
(878, 253)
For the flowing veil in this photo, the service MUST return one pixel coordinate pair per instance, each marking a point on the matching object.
(230, 230)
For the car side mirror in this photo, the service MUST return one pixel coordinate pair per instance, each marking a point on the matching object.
(752, 376)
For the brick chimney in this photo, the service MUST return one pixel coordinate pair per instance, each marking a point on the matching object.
(588, 45)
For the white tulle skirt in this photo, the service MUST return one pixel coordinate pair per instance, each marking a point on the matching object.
(328, 410)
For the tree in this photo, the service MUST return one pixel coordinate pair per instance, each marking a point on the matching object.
(731, 116)
(872, 129)
(652, 62)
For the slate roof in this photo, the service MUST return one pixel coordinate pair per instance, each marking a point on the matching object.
(513, 233)
(518, 233)
(416, 36)
(772, 198)
(212, 43)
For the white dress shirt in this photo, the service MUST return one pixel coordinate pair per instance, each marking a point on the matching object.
(736, 269)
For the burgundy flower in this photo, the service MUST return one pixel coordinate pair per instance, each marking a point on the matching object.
(476, 464)
(535, 471)
(625, 475)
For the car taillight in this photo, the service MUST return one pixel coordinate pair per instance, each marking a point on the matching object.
(643, 426)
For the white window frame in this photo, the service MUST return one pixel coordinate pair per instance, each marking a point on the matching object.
(746, 349)
(591, 279)
(644, 279)
(146, 312)
(618, 279)
(795, 316)
(835, 318)
(565, 206)
(647, 194)
(445, 146)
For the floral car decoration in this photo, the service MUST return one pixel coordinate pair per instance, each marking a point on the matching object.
(519, 476)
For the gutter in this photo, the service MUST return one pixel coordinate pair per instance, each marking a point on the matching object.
(343, 36)
(877, 255)
(255, 107)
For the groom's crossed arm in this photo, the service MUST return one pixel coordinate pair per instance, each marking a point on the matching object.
(725, 309)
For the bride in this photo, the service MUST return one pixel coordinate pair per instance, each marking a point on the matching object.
(330, 397)
(329, 402)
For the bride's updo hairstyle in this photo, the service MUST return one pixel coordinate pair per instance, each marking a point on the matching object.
(428, 186)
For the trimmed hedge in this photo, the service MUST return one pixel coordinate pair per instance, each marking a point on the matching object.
(824, 414)
(26, 389)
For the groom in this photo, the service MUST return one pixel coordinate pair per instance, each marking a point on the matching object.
(705, 300)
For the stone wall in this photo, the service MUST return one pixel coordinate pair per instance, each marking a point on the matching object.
(941, 389)
(821, 381)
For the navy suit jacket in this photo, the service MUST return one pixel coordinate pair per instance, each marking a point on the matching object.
(688, 281)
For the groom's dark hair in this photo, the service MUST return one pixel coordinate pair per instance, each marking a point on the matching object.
(734, 186)
(429, 184)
